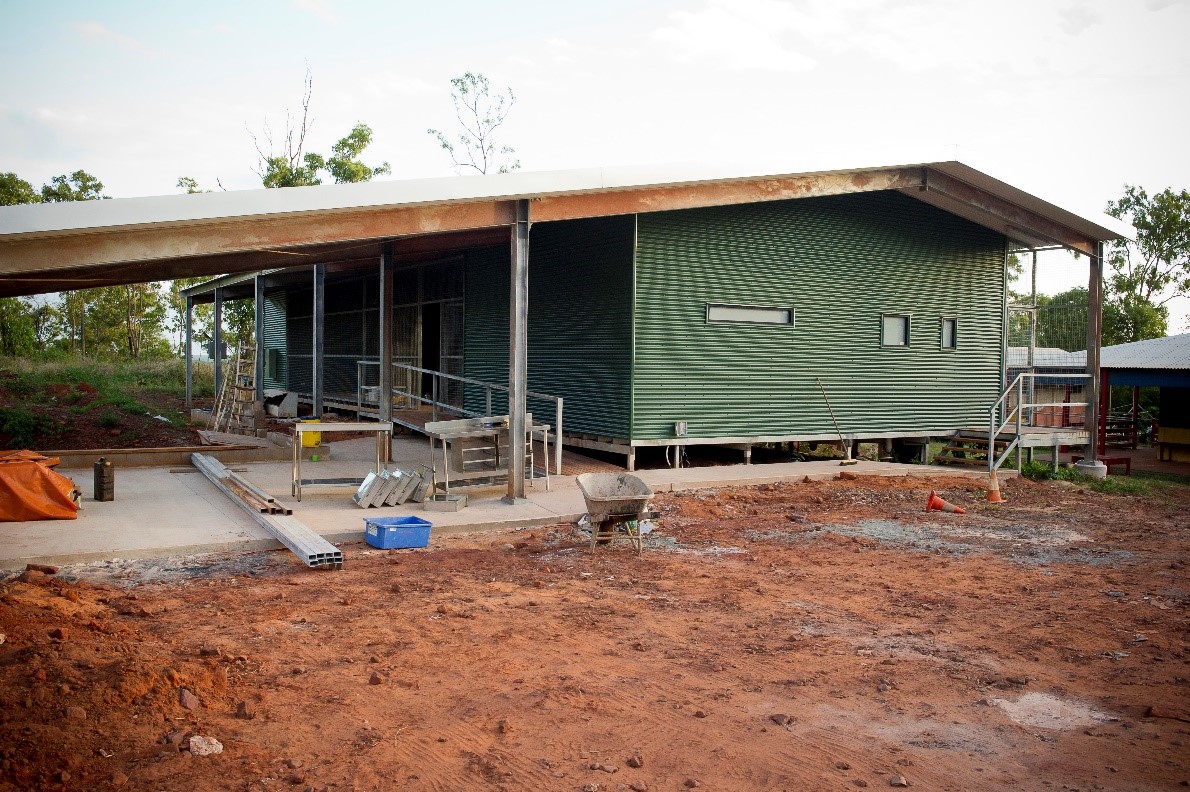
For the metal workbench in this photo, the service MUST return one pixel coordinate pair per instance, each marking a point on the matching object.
(475, 449)
(384, 433)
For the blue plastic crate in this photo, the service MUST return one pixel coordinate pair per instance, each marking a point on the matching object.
(392, 532)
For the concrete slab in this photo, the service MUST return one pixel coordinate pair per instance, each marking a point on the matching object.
(157, 512)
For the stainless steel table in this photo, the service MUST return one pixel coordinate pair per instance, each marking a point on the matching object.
(384, 433)
(486, 462)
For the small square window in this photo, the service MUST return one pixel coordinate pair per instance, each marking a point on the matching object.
(895, 330)
(950, 327)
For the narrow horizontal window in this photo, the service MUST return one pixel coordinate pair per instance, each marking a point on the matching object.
(894, 330)
(749, 314)
(950, 329)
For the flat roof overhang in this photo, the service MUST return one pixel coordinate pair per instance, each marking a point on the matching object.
(55, 247)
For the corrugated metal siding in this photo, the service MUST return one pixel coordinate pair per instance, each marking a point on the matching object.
(485, 325)
(840, 262)
(580, 333)
(274, 338)
(580, 321)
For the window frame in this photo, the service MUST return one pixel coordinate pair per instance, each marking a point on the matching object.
(954, 333)
(754, 323)
(908, 317)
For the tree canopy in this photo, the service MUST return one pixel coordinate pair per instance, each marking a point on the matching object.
(1146, 274)
(288, 164)
(480, 114)
(15, 191)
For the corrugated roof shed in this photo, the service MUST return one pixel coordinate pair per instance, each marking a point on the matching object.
(1170, 352)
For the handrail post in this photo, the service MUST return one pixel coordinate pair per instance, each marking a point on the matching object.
(992, 437)
(488, 390)
(1020, 410)
(434, 397)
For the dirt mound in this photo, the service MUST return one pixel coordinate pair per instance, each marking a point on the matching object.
(807, 636)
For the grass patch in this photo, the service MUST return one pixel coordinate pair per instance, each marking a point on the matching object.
(1141, 482)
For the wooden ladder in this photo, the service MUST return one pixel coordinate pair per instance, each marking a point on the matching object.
(243, 392)
(235, 411)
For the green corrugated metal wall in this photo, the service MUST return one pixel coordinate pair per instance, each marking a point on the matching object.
(274, 338)
(485, 325)
(840, 262)
(580, 329)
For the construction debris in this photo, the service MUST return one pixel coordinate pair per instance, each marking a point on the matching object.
(393, 487)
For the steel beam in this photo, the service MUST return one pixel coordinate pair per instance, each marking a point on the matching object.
(1011, 215)
(161, 242)
(735, 191)
(518, 356)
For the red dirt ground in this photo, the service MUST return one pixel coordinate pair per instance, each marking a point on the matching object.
(803, 636)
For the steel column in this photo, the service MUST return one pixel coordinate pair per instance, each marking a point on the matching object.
(386, 332)
(518, 356)
(217, 341)
(1094, 338)
(258, 375)
(188, 355)
(319, 337)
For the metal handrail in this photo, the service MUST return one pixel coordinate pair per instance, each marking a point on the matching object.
(1016, 415)
(436, 404)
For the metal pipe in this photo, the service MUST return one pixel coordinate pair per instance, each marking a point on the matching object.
(258, 364)
(216, 352)
(558, 437)
(386, 337)
(319, 333)
(518, 370)
(188, 354)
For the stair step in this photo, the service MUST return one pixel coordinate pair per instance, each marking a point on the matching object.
(947, 460)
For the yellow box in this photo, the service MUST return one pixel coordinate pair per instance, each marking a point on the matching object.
(311, 439)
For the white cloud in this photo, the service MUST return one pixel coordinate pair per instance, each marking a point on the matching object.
(323, 9)
(738, 35)
(97, 30)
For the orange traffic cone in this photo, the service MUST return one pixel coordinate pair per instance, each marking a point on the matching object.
(994, 490)
(938, 503)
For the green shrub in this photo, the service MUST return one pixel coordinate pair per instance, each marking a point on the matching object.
(20, 425)
(109, 419)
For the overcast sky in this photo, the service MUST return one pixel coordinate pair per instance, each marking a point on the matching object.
(1068, 99)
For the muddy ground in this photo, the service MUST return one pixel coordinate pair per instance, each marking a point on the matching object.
(802, 637)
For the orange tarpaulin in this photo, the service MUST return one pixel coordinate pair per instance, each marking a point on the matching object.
(29, 490)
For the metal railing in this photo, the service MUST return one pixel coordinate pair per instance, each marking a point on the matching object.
(440, 392)
(1023, 414)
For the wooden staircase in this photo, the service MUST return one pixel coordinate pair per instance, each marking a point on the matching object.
(968, 447)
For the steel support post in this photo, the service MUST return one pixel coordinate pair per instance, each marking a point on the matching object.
(386, 340)
(518, 356)
(217, 342)
(188, 355)
(1090, 463)
(319, 337)
(258, 375)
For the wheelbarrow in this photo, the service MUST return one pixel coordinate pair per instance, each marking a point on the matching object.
(616, 502)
